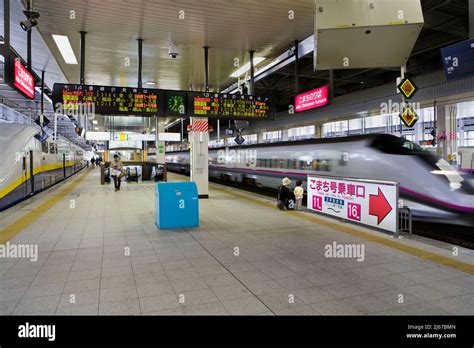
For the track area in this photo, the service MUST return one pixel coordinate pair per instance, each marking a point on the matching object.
(458, 235)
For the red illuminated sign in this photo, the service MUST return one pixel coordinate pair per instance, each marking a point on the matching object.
(313, 99)
(23, 80)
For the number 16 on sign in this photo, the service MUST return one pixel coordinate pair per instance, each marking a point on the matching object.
(353, 211)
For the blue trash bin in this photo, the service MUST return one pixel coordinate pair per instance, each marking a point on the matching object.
(176, 205)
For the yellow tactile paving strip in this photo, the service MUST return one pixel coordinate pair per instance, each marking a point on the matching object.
(16, 227)
(423, 254)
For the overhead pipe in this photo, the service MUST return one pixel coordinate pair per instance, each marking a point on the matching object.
(29, 7)
(42, 100)
(140, 62)
(297, 81)
(471, 19)
(206, 68)
(83, 56)
(6, 38)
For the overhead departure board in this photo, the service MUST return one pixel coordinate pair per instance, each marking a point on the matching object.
(231, 106)
(108, 100)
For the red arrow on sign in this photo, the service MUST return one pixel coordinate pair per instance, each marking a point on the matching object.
(379, 206)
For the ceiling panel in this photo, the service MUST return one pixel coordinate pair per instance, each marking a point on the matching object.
(231, 28)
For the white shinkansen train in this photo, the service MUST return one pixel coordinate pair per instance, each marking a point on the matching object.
(429, 186)
(29, 166)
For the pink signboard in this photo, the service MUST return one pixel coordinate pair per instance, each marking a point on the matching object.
(23, 80)
(313, 99)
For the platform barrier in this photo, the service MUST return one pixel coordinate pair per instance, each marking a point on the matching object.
(176, 205)
(405, 220)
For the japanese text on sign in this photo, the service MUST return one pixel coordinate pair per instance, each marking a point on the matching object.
(371, 203)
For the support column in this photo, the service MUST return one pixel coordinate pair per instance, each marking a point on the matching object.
(318, 130)
(440, 120)
(451, 134)
(199, 159)
(199, 142)
(419, 131)
(160, 145)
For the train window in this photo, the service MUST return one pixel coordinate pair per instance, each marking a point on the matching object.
(322, 165)
(44, 147)
(52, 148)
(274, 163)
(396, 146)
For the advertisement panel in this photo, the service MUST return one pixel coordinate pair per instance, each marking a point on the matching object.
(23, 80)
(313, 99)
(367, 202)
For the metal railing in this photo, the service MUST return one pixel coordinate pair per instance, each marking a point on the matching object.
(405, 220)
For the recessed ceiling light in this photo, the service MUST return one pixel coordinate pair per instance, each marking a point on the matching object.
(96, 128)
(65, 48)
(94, 121)
(246, 67)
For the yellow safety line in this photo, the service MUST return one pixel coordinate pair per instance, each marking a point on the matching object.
(423, 254)
(16, 227)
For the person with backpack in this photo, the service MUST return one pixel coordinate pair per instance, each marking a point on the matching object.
(93, 162)
(283, 194)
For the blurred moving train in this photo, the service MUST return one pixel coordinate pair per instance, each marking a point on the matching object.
(429, 186)
(30, 164)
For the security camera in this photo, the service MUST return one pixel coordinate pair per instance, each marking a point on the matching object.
(32, 20)
(173, 51)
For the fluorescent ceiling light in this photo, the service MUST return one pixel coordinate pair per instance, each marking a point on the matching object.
(94, 121)
(151, 83)
(246, 67)
(65, 48)
(96, 128)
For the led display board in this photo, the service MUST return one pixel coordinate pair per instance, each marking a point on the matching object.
(108, 100)
(230, 106)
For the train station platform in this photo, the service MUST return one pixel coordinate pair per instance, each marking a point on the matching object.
(99, 252)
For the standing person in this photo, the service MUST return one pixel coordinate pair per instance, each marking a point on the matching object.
(283, 193)
(117, 167)
(299, 192)
(93, 161)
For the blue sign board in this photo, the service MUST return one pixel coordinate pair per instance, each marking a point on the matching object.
(458, 60)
